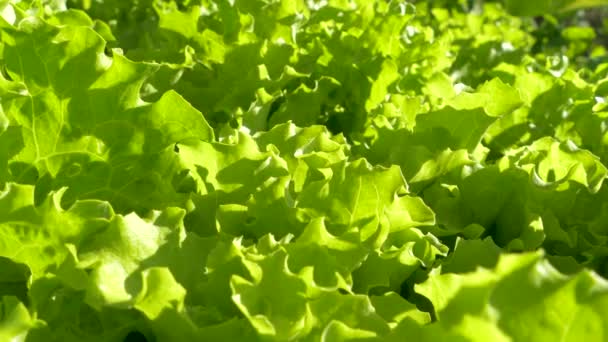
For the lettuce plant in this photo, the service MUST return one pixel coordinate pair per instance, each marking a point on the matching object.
(302, 170)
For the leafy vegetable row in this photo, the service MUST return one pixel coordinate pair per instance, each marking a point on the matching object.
(300, 171)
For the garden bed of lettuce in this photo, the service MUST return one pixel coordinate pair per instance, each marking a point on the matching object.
(303, 170)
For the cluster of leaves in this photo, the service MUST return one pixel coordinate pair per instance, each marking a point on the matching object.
(308, 170)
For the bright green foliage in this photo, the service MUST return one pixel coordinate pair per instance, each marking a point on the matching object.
(519, 7)
(280, 170)
(547, 305)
